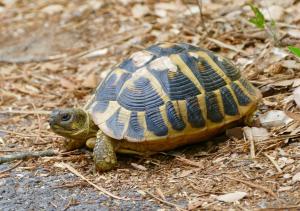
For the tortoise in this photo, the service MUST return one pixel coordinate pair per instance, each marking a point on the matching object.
(165, 96)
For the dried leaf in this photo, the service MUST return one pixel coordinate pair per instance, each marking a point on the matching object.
(67, 84)
(139, 10)
(95, 5)
(232, 197)
(294, 33)
(280, 53)
(274, 118)
(97, 53)
(143, 193)
(283, 161)
(285, 188)
(139, 167)
(51, 66)
(32, 89)
(294, 116)
(8, 97)
(167, 6)
(160, 193)
(296, 94)
(256, 134)
(2, 141)
(283, 83)
(290, 64)
(296, 177)
(273, 12)
(91, 81)
(53, 9)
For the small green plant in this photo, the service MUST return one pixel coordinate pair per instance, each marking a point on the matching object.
(294, 50)
(260, 22)
(259, 19)
(270, 27)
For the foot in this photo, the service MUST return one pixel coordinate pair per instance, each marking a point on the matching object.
(104, 153)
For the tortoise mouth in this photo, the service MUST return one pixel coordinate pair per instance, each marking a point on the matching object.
(61, 130)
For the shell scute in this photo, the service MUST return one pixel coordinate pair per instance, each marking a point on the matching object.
(230, 106)
(139, 96)
(174, 116)
(214, 112)
(194, 113)
(155, 122)
(168, 91)
(135, 130)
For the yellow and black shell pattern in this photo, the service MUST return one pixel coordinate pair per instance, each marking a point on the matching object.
(171, 90)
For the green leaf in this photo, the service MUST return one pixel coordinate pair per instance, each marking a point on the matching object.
(294, 50)
(259, 19)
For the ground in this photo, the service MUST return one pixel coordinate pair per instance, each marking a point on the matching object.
(54, 53)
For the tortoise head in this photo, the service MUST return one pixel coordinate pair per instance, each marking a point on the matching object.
(73, 123)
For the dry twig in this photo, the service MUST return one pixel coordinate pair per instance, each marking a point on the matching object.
(25, 112)
(4, 175)
(201, 15)
(231, 47)
(25, 155)
(254, 186)
(27, 135)
(189, 162)
(11, 168)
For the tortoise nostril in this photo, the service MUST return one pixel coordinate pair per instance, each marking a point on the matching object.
(51, 121)
(53, 117)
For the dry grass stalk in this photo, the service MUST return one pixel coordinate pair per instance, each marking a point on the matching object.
(74, 171)
(201, 15)
(189, 162)
(274, 163)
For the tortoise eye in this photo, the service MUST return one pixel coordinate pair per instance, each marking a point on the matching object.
(65, 117)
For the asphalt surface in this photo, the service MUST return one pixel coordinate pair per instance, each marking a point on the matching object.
(36, 190)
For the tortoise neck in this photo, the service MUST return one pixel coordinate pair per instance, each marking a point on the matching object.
(88, 130)
(91, 127)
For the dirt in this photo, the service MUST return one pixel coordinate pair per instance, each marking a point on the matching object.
(40, 190)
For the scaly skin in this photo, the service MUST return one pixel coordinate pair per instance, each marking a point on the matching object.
(104, 152)
(78, 128)
(77, 125)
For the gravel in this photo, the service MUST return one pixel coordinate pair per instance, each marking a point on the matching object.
(37, 190)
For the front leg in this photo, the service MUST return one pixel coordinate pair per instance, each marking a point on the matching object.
(104, 154)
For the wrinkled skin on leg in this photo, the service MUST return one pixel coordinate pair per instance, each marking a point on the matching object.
(104, 152)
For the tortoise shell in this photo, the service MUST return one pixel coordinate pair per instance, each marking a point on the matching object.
(171, 91)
